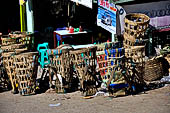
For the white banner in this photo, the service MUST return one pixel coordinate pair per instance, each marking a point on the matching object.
(87, 3)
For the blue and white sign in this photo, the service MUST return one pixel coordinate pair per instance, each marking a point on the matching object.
(106, 17)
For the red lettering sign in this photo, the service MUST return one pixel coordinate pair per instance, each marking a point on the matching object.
(107, 4)
(102, 3)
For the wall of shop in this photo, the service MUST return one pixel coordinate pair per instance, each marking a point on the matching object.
(10, 17)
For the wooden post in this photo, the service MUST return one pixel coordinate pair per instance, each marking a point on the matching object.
(21, 20)
(22, 16)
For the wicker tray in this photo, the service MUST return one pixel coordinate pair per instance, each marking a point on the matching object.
(6, 40)
(12, 47)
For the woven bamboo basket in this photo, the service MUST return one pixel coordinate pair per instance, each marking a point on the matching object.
(8, 63)
(110, 65)
(135, 27)
(62, 67)
(156, 68)
(168, 59)
(135, 63)
(25, 38)
(26, 65)
(4, 81)
(84, 62)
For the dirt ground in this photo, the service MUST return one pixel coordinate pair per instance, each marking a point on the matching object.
(153, 101)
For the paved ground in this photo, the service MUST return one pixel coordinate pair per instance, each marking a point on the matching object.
(154, 101)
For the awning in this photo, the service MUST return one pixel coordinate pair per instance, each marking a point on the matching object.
(165, 29)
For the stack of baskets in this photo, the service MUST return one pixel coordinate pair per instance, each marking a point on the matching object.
(8, 47)
(25, 38)
(135, 27)
(134, 43)
(26, 65)
(62, 68)
(84, 60)
(11, 45)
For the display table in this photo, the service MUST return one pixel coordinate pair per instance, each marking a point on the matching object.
(62, 33)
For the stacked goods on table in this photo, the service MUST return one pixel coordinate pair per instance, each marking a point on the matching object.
(84, 60)
(25, 38)
(135, 27)
(26, 65)
(62, 68)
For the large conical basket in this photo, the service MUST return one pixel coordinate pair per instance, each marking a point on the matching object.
(84, 60)
(135, 63)
(62, 67)
(26, 65)
(8, 63)
(135, 27)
